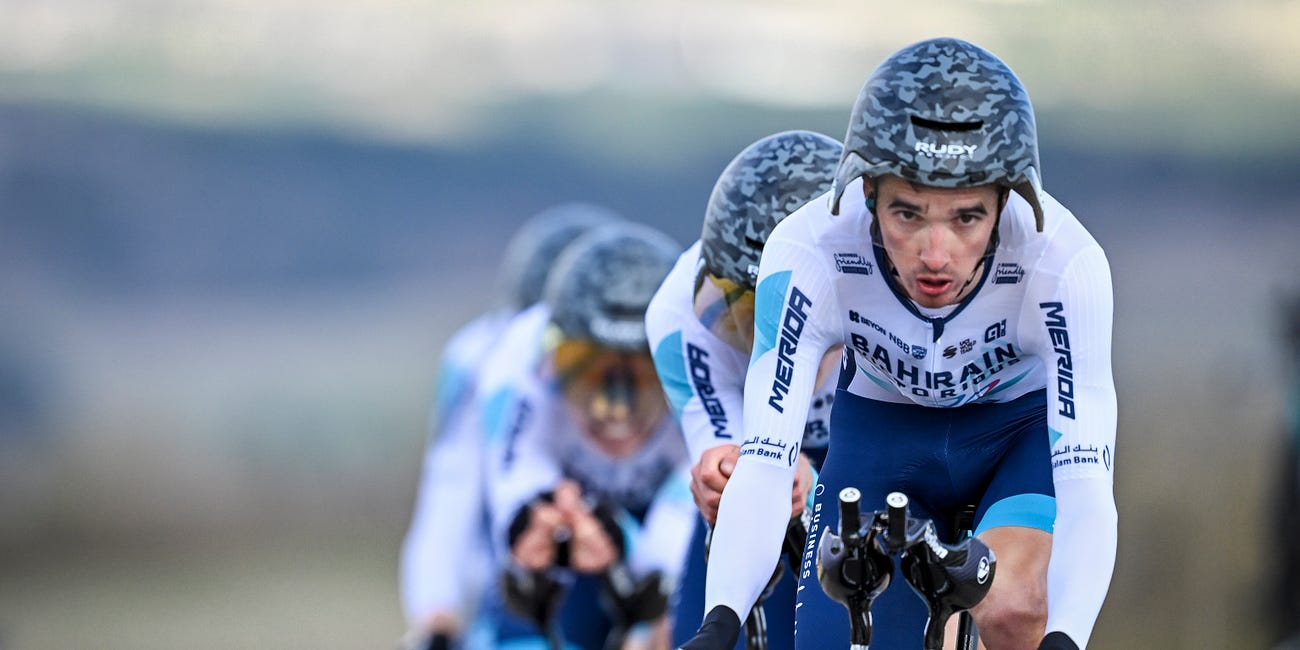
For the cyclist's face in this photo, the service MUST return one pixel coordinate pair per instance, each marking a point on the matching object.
(614, 396)
(935, 237)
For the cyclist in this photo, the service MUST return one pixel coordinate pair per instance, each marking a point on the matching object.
(975, 314)
(581, 447)
(444, 562)
(701, 328)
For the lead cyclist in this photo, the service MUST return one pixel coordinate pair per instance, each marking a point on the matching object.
(975, 315)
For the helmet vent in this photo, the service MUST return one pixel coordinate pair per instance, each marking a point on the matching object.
(755, 244)
(934, 125)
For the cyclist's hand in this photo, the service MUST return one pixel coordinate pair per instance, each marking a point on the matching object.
(535, 547)
(591, 549)
(803, 483)
(710, 476)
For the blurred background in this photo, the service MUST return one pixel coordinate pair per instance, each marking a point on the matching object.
(234, 235)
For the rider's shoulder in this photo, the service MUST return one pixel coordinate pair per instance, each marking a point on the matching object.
(515, 354)
(467, 345)
(672, 304)
(1063, 237)
(814, 226)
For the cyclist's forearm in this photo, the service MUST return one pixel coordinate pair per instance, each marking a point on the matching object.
(747, 539)
(1083, 557)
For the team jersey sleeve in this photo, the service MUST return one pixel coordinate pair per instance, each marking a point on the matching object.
(795, 323)
(707, 406)
(1074, 314)
(701, 376)
(664, 538)
(447, 506)
(520, 461)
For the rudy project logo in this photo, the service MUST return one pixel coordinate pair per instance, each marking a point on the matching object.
(945, 151)
(1008, 273)
(852, 263)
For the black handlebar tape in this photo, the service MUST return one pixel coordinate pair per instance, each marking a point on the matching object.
(897, 532)
(850, 514)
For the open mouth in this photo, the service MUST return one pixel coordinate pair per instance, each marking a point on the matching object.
(933, 286)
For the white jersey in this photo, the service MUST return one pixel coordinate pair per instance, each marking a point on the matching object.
(703, 376)
(1040, 318)
(444, 562)
(533, 443)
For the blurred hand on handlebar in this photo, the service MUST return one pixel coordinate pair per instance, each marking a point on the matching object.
(535, 548)
(567, 517)
(591, 549)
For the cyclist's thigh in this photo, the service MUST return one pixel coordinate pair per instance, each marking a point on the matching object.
(1020, 491)
(1018, 508)
(1023, 554)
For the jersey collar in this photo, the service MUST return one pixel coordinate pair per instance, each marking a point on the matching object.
(937, 322)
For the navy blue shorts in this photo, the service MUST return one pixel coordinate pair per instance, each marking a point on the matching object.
(995, 456)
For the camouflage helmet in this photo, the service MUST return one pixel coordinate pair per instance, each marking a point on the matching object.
(533, 248)
(945, 113)
(761, 186)
(603, 281)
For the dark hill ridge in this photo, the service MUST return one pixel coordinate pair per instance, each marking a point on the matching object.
(122, 204)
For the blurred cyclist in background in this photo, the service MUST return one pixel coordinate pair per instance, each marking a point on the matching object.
(701, 328)
(1286, 499)
(587, 471)
(975, 313)
(445, 568)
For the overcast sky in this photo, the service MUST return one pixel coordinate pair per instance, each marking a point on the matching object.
(424, 70)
